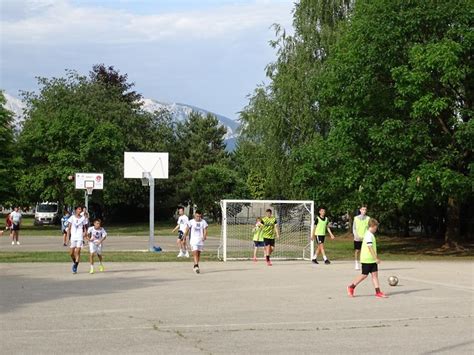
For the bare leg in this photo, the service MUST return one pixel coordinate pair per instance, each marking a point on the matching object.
(359, 279)
(375, 279)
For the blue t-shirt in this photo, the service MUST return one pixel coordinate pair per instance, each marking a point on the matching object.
(64, 222)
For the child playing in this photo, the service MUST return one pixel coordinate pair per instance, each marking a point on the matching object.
(64, 225)
(75, 233)
(258, 238)
(183, 221)
(96, 235)
(270, 230)
(197, 231)
(322, 224)
(369, 260)
(359, 227)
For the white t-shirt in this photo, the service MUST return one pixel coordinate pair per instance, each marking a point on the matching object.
(15, 217)
(77, 227)
(183, 222)
(197, 231)
(96, 234)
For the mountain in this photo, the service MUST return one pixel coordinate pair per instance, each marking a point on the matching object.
(179, 111)
(16, 106)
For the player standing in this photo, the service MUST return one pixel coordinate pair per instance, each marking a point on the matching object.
(75, 233)
(64, 226)
(197, 231)
(359, 228)
(270, 230)
(15, 218)
(258, 238)
(96, 235)
(183, 221)
(322, 224)
(369, 260)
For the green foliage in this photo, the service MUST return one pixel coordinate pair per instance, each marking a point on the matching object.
(8, 158)
(376, 109)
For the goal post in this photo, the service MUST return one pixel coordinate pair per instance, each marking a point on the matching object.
(295, 221)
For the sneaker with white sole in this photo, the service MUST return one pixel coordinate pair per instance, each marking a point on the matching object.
(17, 243)
(187, 254)
(196, 269)
(13, 243)
(357, 266)
(181, 254)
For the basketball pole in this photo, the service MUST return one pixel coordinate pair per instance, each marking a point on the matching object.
(151, 242)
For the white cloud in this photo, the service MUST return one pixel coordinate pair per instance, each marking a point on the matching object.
(55, 22)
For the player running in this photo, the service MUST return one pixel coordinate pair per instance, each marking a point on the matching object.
(322, 224)
(270, 230)
(197, 231)
(369, 260)
(359, 228)
(183, 221)
(15, 218)
(96, 236)
(75, 234)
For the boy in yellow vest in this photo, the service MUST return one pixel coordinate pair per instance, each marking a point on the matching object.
(369, 260)
(321, 225)
(359, 227)
(258, 238)
(270, 230)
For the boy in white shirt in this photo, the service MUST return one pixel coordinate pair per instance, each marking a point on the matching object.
(15, 218)
(75, 233)
(197, 231)
(96, 236)
(183, 221)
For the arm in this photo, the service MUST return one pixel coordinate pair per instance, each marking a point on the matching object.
(204, 234)
(277, 231)
(69, 230)
(330, 233)
(354, 229)
(374, 255)
(103, 238)
(175, 229)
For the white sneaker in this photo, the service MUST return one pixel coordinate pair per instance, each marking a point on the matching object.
(357, 266)
(187, 254)
(17, 243)
(180, 255)
(13, 243)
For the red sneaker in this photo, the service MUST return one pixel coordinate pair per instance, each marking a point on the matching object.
(269, 263)
(350, 291)
(381, 295)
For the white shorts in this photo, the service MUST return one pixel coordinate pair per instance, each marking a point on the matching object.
(76, 244)
(197, 247)
(95, 248)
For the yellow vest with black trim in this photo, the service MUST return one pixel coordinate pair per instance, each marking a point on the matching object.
(365, 255)
(269, 227)
(322, 226)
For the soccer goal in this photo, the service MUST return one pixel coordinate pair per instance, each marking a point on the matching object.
(295, 222)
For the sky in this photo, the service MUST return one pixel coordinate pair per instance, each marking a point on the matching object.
(207, 53)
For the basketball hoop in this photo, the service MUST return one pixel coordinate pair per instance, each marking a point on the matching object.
(89, 186)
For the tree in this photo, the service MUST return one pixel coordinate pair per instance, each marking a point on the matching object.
(7, 158)
(201, 141)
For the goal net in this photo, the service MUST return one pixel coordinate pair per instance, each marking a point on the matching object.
(295, 221)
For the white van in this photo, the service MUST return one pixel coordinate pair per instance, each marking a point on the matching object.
(46, 213)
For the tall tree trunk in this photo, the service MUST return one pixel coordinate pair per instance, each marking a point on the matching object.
(453, 212)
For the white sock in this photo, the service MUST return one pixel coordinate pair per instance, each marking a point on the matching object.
(325, 258)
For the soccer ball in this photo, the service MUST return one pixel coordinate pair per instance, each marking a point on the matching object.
(393, 281)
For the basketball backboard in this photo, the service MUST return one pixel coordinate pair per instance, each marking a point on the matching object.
(89, 180)
(137, 163)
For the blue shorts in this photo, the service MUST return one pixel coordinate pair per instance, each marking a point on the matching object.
(258, 244)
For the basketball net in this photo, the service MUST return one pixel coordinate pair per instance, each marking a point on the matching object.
(89, 190)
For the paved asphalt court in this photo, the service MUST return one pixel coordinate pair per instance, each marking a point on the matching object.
(236, 307)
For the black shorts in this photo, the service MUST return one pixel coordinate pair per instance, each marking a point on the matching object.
(258, 244)
(320, 239)
(180, 235)
(369, 268)
(269, 241)
(15, 227)
(357, 245)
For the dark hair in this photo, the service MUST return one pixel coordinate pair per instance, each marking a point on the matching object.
(180, 208)
(268, 210)
(75, 208)
(322, 208)
(198, 212)
(363, 205)
(97, 220)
